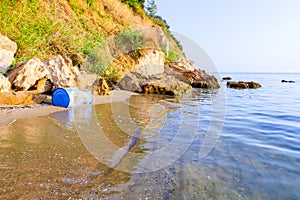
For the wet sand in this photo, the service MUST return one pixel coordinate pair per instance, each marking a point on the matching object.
(9, 114)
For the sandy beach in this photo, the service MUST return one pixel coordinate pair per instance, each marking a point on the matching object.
(11, 113)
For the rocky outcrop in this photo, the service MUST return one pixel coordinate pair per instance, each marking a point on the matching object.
(8, 49)
(196, 78)
(58, 70)
(61, 72)
(144, 61)
(26, 74)
(4, 83)
(174, 79)
(243, 85)
(183, 64)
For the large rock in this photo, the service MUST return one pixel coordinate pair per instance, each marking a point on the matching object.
(154, 84)
(27, 74)
(243, 85)
(166, 85)
(8, 49)
(61, 72)
(131, 82)
(4, 83)
(196, 78)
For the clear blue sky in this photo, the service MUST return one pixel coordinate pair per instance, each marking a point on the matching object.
(240, 35)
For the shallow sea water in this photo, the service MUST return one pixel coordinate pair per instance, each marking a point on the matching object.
(223, 144)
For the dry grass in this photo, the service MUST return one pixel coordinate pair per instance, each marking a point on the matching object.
(44, 28)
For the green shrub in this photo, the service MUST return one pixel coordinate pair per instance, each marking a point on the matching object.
(134, 3)
(97, 62)
(113, 76)
(172, 56)
(129, 40)
(90, 3)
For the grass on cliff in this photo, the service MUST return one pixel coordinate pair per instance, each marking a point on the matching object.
(44, 28)
(75, 28)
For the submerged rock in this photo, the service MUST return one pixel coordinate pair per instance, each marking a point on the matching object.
(4, 83)
(243, 85)
(8, 49)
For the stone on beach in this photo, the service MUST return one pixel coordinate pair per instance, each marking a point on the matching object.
(4, 83)
(8, 49)
(58, 70)
(27, 73)
(61, 72)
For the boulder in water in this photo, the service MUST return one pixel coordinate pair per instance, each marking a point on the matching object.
(243, 85)
(285, 81)
(196, 78)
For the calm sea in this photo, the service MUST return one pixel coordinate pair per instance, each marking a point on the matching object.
(222, 144)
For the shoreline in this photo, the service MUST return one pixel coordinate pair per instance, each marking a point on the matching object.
(11, 113)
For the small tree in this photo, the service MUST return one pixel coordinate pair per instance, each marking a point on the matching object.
(151, 8)
(134, 3)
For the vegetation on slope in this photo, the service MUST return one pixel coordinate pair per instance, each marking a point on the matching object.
(74, 27)
(44, 28)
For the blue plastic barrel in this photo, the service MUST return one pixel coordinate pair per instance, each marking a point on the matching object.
(70, 97)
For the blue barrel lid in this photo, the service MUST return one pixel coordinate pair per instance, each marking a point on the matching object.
(60, 98)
